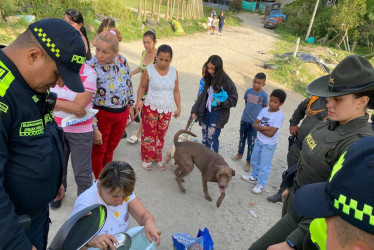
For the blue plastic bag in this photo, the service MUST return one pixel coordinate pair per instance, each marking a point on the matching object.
(203, 241)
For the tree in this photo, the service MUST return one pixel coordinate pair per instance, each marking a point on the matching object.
(167, 10)
(145, 11)
(153, 9)
(139, 17)
(159, 10)
(346, 17)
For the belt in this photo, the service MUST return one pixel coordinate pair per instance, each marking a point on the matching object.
(112, 110)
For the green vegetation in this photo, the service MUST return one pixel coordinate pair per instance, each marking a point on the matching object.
(124, 12)
(328, 31)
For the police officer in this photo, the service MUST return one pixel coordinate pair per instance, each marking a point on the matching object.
(311, 111)
(344, 203)
(349, 90)
(50, 51)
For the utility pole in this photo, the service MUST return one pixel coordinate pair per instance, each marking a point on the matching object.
(312, 20)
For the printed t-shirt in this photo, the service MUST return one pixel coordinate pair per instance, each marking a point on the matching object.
(117, 220)
(253, 107)
(271, 119)
(88, 77)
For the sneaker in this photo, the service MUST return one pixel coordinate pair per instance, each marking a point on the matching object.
(257, 189)
(236, 157)
(55, 204)
(275, 198)
(249, 178)
(247, 167)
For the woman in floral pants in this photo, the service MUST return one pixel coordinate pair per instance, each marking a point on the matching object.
(162, 82)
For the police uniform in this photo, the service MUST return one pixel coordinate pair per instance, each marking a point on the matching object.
(30, 157)
(326, 141)
(323, 146)
(313, 109)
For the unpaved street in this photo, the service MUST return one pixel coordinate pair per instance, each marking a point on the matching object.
(231, 226)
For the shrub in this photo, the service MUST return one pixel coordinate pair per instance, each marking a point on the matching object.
(235, 5)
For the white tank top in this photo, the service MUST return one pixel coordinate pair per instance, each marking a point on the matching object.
(160, 94)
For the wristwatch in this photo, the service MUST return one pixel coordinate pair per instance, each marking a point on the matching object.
(290, 243)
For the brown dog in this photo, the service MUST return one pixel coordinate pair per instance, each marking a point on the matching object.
(212, 166)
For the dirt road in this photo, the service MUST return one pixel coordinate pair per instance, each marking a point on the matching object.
(231, 226)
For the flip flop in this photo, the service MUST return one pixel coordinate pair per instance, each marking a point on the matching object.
(147, 166)
(133, 139)
(161, 165)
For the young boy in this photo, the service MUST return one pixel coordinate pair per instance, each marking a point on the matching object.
(214, 23)
(255, 100)
(267, 124)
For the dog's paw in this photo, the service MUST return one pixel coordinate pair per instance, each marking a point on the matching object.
(208, 198)
(218, 203)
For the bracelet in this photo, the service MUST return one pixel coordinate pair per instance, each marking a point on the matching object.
(290, 243)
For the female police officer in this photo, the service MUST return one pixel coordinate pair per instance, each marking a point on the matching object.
(349, 90)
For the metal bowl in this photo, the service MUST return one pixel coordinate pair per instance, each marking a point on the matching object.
(124, 241)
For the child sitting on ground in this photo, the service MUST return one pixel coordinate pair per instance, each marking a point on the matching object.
(255, 99)
(267, 124)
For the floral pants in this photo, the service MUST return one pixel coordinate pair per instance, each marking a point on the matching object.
(154, 128)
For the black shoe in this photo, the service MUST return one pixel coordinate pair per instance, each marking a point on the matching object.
(275, 198)
(124, 135)
(55, 204)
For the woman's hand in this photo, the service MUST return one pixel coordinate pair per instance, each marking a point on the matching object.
(193, 116)
(104, 241)
(131, 111)
(152, 232)
(284, 194)
(98, 137)
(177, 113)
(81, 114)
(138, 106)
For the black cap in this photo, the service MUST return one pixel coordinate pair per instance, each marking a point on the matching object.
(349, 191)
(65, 46)
(353, 74)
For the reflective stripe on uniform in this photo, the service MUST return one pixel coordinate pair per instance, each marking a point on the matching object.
(6, 78)
(318, 233)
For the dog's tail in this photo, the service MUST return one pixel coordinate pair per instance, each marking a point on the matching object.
(182, 131)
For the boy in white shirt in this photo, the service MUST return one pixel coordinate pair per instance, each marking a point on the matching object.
(267, 124)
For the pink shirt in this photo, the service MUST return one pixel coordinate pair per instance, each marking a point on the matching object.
(88, 76)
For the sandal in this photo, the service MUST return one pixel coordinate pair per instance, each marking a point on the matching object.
(147, 166)
(161, 165)
(133, 139)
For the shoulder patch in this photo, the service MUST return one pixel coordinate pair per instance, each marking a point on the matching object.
(3, 107)
(6, 78)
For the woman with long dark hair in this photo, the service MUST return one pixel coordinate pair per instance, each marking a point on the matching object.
(213, 118)
(75, 18)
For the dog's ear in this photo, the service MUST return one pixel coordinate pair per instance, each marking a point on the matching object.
(233, 172)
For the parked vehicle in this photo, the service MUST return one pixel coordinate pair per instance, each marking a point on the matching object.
(271, 23)
(269, 7)
(278, 13)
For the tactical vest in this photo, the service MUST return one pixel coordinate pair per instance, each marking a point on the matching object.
(309, 111)
(316, 161)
